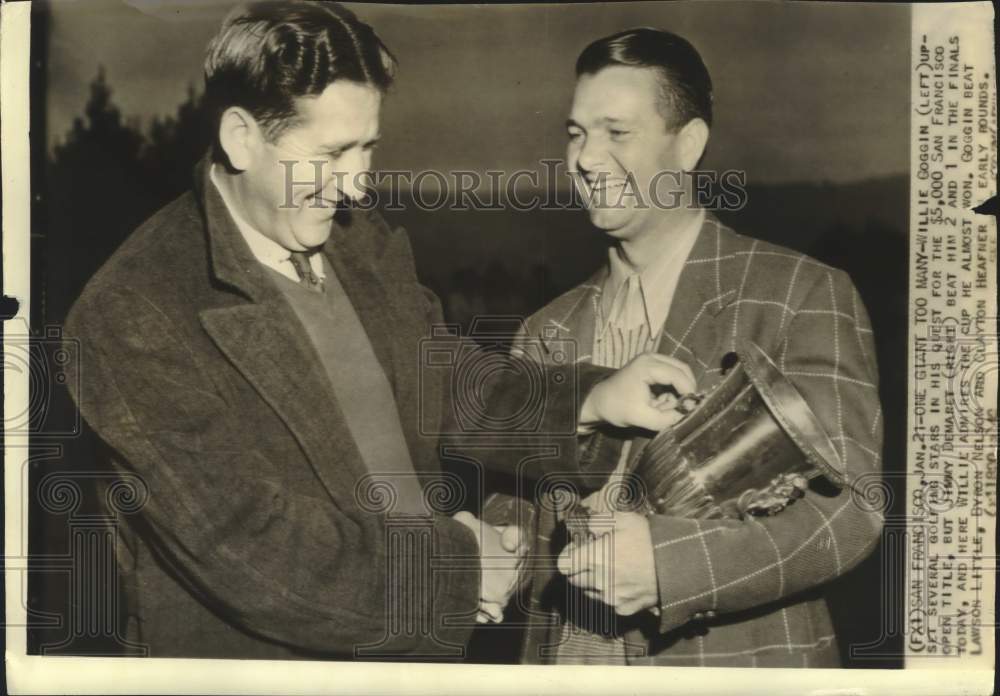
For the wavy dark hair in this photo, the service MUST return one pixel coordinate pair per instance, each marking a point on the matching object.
(268, 54)
(685, 85)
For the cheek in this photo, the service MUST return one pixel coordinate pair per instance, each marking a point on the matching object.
(302, 179)
(668, 158)
(642, 169)
(641, 159)
(572, 155)
(268, 193)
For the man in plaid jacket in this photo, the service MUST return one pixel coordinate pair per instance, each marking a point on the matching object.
(670, 590)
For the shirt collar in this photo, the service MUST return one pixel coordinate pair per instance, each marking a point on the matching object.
(659, 278)
(265, 249)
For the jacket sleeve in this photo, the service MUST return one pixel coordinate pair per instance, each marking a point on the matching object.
(291, 568)
(717, 566)
(516, 412)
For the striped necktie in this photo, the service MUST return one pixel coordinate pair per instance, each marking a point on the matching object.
(300, 259)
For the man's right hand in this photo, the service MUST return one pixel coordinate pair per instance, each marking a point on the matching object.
(625, 399)
(501, 555)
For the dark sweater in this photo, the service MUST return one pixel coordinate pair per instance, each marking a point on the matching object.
(346, 354)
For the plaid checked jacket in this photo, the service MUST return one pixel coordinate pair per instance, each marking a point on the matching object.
(732, 592)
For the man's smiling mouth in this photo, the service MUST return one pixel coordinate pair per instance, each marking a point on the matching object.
(602, 190)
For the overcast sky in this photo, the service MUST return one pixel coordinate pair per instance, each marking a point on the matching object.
(804, 91)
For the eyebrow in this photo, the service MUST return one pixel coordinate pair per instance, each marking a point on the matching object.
(604, 120)
(330, 147)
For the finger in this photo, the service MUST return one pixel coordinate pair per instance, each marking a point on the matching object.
(465, 517)
(657, 372)
(585, 581)
(598, 527)
(511, 538)
(492, 610)
(654, 419)
(661, 369)
(666, 419)
(592, 562)
(593, 501)
(672, 362)
(566, 563)
(686, 369)
(573, 560)
(626, 609)
(665, 401)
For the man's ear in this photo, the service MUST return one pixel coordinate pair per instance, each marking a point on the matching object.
(691, 142)
(239, 134)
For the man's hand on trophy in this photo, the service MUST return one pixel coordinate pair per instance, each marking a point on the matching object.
(501, 551)
(616, 565)
(627, 398)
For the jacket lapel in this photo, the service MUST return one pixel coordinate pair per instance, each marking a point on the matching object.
(394, 327)
(265, 341)
(692, 331)
(348, 257)
(570, 319)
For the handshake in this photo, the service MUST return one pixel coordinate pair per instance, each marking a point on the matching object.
(502, 551)
(625, 398)
(614, 565)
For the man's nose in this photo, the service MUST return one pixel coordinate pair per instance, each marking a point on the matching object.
(591, 157)
(352, 178)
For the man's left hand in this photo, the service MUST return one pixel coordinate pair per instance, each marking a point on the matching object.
(617, 566)
(625, 398)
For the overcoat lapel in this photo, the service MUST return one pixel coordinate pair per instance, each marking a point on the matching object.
(393, 330)
(268, 345)
(367, 295)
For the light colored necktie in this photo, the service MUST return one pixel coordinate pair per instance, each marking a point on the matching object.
(627, 330)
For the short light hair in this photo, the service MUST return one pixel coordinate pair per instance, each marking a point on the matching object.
(267, 54)
(685, 85)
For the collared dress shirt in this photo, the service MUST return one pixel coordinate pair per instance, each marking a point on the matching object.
(631, 310)
(266, 250)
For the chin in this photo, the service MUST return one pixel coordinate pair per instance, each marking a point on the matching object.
(611, 222)
(311, 239)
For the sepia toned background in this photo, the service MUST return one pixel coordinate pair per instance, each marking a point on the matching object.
(811, 100)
